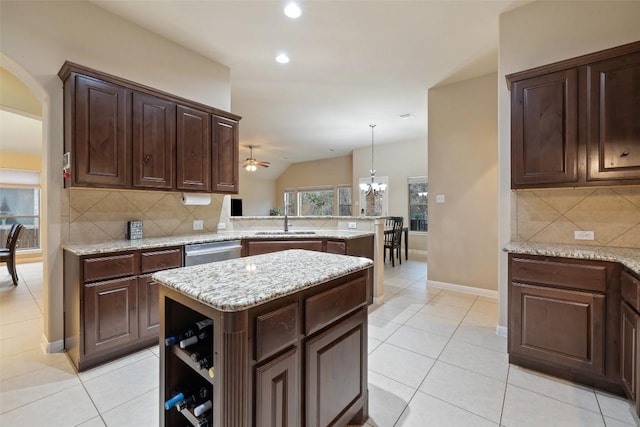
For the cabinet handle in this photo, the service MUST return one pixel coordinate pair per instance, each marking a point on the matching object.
(624, 154)
(146, 159)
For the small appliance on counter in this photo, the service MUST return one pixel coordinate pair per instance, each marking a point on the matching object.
(134, 229)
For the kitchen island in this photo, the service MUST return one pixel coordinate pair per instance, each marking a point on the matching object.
(288, 341)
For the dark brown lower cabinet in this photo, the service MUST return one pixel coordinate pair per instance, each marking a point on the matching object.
(277, 391)
(629, 352)
(111, 303)
(110, 315)
(275, 364)
(564, 318)
(558, 326)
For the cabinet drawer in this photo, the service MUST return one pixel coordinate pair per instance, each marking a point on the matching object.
(110, 266)
(589, 277)
(326, 307)
(160, 260)
(631, 290)
(276, 330)
(335, 247)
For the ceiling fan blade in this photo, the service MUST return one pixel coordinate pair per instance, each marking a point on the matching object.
(264, 164)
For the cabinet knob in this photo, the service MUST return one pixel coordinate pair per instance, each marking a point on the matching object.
(146, 159)
(624, 154)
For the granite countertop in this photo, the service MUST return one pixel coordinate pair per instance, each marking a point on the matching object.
(242, 283)
(628, 257)
(159, 242)
(296, 217)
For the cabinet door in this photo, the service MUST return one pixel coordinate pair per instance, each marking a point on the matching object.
(277, 386)
(193, 147)
(148, 307)
(563, 328)
(257, 247)
(225, 155)
(544, 130)
(101, 147)
(154, 135)
(110, 314)
(629, 349)
(613, 135)
(336, 373)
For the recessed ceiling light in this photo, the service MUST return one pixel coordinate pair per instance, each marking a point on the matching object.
(292, 10)
(282, 58)
(407, 116)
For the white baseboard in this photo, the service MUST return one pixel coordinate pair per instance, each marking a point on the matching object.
(418, 252)
(461, 288)
(501, 330)
(52, 347)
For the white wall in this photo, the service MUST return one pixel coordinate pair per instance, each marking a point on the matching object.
(398, 161)
(540, 33)
(35, 40)
(258, 195)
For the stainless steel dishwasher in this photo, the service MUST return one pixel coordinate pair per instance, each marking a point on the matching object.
(202, 253)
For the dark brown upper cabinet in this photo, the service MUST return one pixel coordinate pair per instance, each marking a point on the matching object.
(613, 119)
(97, 132)
(225, 155)
(544, 129)
(577, 122)
(194, 149)
(154, 141)
(121, 134)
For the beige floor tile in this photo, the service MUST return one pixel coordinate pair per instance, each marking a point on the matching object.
(112, 366)
(427, 411)
(419, 341)
(612, 422)
(393, 313)
(456, 299)
(482, 337)
(617, 407)
(484, 306)
(380, 328)
(438, 325)
(524, 408)
(141, 411)
(372, 344)
(468, 390)
(18, 311)
(93, 422)
(60, 410)
(477, 359)
(444, 310)
(401, 365)
(29, 361)
(387, 399)
(21, 390)
(124, 384)
(556, 388)
(30, 340)
(478, 318)
(406, 302)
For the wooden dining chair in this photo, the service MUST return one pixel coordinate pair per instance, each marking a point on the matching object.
(8, 254)
(393, 238)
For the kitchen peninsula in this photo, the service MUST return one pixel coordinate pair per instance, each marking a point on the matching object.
(267, 311)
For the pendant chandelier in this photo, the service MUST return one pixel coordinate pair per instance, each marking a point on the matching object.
(377, 188)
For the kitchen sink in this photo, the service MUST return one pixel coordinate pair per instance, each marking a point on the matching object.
(282, 233)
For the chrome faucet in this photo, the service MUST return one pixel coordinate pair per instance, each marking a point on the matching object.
(286, 220)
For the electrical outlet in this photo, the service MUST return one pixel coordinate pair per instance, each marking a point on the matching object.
(353, 225)
(439, 198)
(198, 224)
(583, 235)
(222, 225)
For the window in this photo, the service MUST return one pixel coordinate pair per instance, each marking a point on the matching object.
(418, 213)
(317, 202)
(20, 203)
(289, 202)
(344, 201)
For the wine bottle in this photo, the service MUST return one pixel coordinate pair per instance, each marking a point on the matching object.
(206, 421)
(190, 332)
(204, 362)
(202, 408)
(201, 335)
(184, 400)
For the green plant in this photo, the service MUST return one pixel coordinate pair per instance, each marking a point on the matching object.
(275, 212)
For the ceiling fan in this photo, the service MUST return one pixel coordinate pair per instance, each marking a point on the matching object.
(251, 164)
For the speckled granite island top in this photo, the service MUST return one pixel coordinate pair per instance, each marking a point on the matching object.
(628, 257)
(242, 283)
(159, 242)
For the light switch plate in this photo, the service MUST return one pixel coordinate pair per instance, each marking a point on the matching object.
(353, 225)
(583, 235)
(222, 225)
(198, 224)
(439, 198)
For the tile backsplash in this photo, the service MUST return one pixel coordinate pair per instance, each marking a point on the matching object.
(94, 215)
(552, 215)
